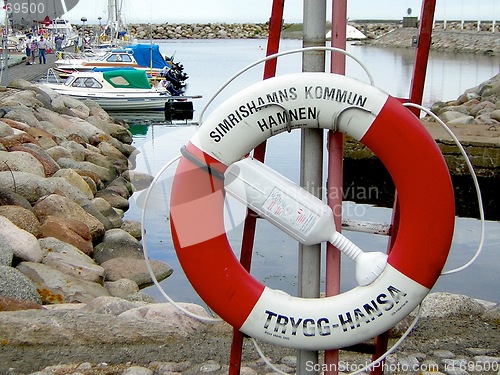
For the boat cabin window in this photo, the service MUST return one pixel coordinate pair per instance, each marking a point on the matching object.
(87, 82)
(119, 57)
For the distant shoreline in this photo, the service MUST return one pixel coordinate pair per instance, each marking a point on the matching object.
(452, 37)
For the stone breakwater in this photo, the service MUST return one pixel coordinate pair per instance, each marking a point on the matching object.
(389, 34)
(451, 39)
(201, 31)
(65, 181)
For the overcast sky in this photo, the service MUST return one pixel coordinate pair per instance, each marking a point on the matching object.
(193, 11)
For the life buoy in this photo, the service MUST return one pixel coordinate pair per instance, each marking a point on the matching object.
(313, 100)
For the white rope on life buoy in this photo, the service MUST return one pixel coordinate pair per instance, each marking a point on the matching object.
(312, 100)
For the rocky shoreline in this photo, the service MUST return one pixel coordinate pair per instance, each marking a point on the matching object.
(65, 181)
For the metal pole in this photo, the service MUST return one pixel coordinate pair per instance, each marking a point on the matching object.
(422, 53)
(247, 242)
(334, 180)
(311, 162)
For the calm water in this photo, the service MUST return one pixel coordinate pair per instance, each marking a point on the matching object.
(209, 64)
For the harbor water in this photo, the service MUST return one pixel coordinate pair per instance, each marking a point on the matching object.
(210, 63)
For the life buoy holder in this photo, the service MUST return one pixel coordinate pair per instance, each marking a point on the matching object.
(312, 100)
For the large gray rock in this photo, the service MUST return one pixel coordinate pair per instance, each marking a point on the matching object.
(115, 130)
(442, 305)
(68, 125)
(117, 243)
(83, 270)
(121, 288)
(54, 245)
(24, 245)
(136, 270)
(77, 106)
(57, 287)
(22, 162)
(49, 165)
(103, 206)
(24, 115)
(33, 187)
(9, 197)
(16, 285)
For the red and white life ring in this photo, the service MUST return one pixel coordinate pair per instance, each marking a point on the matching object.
(313, 100)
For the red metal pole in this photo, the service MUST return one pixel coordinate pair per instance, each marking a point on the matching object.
(334, 181)
(416, 95)
(247, 242)
(422, 53)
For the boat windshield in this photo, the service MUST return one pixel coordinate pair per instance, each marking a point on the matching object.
(69, 80)
(104, 57)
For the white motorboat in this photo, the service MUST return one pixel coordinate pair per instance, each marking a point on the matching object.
(140, 56)
(116, 89)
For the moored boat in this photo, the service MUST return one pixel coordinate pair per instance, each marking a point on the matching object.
(140, 56)
(116, 90)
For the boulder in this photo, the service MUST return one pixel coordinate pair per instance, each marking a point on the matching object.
(76, 180)
(20, 161)
(15, 284)
(113, 220)
(24, 245)
(117, 243)
(22, 218)
(121, 287)
(442, 305)
(64, 208)
(71, 231)
(54, 245)
(133, 228)
(76, 150)
(135, 270)
(49, 165)
(32, 187)
(57, 287)
(75, 267)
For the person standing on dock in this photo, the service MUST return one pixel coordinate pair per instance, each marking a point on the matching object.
(28, 51)
(42, 45)
(34, 50)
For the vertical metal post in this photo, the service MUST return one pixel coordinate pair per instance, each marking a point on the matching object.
(259, 153)
(335, 165)
(311, 163)
(416, 95)
(422, 53)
